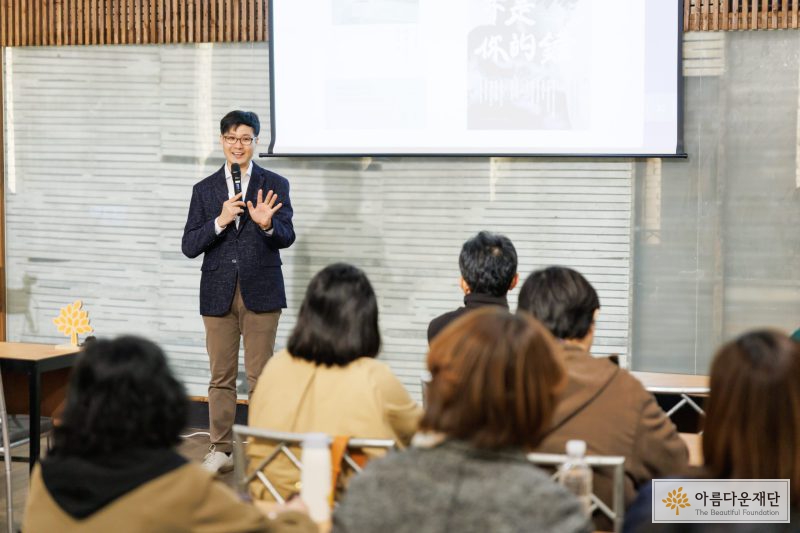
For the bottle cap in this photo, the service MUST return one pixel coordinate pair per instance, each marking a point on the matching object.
(576, 448)
(316, 440)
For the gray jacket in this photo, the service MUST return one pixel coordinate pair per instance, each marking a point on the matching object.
(454, 487)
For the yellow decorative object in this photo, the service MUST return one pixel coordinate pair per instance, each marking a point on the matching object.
(72, 320)
(677, 500)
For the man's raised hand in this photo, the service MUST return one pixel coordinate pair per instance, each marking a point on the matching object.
(262, 212)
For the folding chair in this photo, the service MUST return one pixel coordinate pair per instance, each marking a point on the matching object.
(615, 513)
(284, 442)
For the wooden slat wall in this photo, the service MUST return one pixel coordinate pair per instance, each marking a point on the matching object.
(723, 15)
(81, 22)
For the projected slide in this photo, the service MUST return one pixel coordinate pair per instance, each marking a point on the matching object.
(475, 77)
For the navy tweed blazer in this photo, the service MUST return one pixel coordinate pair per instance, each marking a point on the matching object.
(247, 252)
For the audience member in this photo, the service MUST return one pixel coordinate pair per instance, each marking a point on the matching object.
(601, 404)
(113, 466)
(328, 379)
(494, 380)
(752, 425)
(488, 264)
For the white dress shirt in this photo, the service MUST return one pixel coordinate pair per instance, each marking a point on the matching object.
(229, 183)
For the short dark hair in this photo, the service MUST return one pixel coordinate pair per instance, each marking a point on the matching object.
(488, 263)
(561, 299)
(122, 395)
(752, 423)
(338, 319)
(237, 118)
(495, 378)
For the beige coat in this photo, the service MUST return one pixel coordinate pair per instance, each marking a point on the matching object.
(185, 499)
(363, 400)
(610, 409)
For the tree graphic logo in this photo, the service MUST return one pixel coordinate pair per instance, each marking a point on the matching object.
(677, 500)
(73, 320)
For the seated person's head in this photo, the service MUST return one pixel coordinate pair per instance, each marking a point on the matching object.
(752, 425)
(338, 319)
(488, 263)
(563, 300)
(494, 380)
(122, 395)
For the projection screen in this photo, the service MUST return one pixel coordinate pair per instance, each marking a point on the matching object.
(483, 77)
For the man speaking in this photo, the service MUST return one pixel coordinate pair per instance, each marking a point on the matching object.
(239, 219)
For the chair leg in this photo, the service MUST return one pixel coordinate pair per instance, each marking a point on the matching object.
(7, 461)
(9, 494)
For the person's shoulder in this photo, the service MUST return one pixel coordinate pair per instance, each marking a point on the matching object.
(189, 479)
(282, 357)
(209, 180)
(625, 380)
(384, 470)
(375, 371)
(588, 371)
(405, 462)
(190, 473)
(512, 481)
(283, 361)
(556, 508)
(374, 368)
(440, 322)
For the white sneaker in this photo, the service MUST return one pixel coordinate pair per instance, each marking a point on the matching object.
(217, 462)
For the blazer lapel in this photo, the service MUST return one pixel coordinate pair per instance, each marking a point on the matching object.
(220, 187)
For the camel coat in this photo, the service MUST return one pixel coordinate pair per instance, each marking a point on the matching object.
(608, 408)
(363, 399)
(186, 499)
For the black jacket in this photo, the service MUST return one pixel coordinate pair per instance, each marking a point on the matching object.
(471, 301)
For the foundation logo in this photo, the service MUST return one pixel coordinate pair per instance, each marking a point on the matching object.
(73, 320)
(677, 500)
(755, 501)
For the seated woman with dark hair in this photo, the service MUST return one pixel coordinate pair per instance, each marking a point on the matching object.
(494, 381)
(752, 425)
(113, 466)
(328, 380)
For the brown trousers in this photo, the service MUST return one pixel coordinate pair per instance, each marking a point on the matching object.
(222, 342)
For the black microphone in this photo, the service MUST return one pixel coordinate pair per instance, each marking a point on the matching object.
(236, 173)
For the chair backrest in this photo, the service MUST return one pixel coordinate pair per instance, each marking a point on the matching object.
(283, 443)
(616, 511)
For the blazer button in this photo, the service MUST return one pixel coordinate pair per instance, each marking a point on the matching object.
(233, 261)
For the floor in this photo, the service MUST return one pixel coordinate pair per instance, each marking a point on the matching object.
(193, 448)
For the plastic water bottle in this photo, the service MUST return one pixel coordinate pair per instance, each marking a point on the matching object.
(315, 489)
(576, 475)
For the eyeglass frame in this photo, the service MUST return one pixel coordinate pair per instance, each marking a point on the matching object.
(238, 139)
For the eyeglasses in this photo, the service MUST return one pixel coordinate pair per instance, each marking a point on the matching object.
(231, 140)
